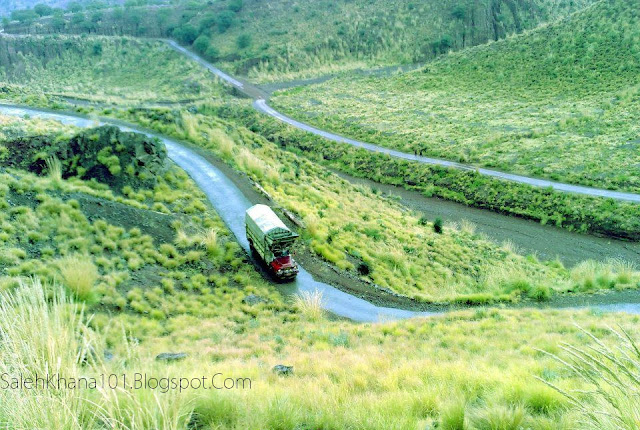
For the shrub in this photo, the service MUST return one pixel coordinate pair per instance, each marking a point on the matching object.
(437, 225)
(540, 293)
(235, 5)
(225, 20)
(202, 44)
(364, 269)
(79, 274)
(244, 41)
(186, 34)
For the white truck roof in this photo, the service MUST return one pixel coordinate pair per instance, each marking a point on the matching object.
(265, 218)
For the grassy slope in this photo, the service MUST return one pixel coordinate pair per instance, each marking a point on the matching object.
(553, 103)
(111, 69)
(476, 368)
(347, 225)
(286, 38)
(458, 265)
(49, 226)
(325, 36)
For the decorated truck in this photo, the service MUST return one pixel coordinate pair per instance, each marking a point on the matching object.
(271, 239)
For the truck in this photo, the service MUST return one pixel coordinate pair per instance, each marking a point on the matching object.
(271, 240)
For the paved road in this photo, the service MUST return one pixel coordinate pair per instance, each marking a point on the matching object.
(260, 103)
(230, 203)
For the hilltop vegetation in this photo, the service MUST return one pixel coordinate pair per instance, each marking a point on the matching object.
(109, 69)
(286, 38)
(552, 103)
(32, 9)
(157, 271)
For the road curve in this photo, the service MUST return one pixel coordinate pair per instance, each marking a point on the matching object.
(230, 203)
(260, 104)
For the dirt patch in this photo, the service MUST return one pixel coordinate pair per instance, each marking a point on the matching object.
(154, 224)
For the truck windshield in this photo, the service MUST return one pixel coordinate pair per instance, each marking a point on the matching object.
(281, 252)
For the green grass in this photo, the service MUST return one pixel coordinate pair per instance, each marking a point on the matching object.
(467, 370)
(609, 368)
(285, 39)
(452, 264)
(553, 103)
(51, 228)
(349, 226)
(574, 212)
(113, 70)
(176, 283)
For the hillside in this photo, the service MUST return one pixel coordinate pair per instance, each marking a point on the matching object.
(126, 276)
(8, 6)
(110, 69)
(286, 38)
(130, 298)
(551, 103)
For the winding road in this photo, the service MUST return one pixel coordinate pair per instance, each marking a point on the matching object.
(230, 203)
(260, 103)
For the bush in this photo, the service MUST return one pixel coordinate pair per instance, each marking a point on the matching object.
(212, 53)
(244, 41)
(225, 20)
(540, 293)
(186, 34)
(437, 225)
(202, 43)
(235, 5)
(364, 269)
(79, 275)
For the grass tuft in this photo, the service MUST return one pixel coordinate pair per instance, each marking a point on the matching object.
(79, 274)
(311, 304)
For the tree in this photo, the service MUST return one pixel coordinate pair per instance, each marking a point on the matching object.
(96, 5)
(77, 18)
(235, 5)
(225, 20)
(202, 43)
(74, 7)
(96, 17)
(186, 34)
(134, 18)
(43, 9)
(24, 16)
(459, 12)
(57, 23)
